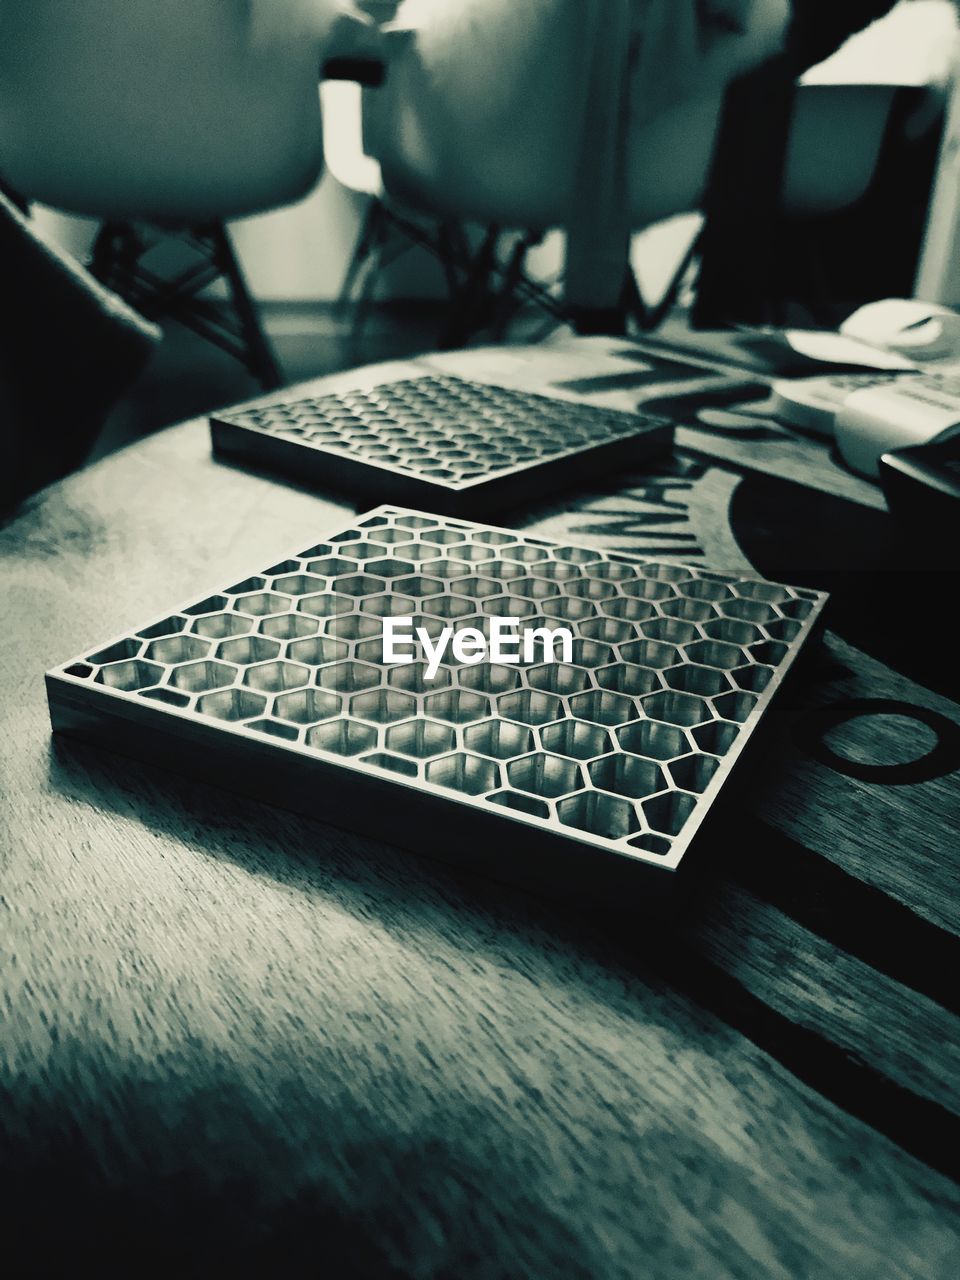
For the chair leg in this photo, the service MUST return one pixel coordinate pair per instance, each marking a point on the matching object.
(260, 359)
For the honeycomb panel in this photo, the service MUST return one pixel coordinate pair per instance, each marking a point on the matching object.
(436, 436)
(622, 744)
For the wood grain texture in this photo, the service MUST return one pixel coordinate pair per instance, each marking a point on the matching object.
(231, 1036)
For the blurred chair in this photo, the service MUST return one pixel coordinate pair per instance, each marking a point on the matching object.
(596, 117)
(164, 119)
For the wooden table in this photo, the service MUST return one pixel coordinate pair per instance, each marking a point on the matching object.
(230, 1036)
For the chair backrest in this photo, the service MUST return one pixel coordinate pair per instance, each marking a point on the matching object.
(179, 110)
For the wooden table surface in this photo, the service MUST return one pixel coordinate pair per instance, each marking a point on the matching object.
(232, 1037)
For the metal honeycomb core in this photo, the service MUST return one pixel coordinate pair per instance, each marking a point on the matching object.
(434, 437)
(623, 748)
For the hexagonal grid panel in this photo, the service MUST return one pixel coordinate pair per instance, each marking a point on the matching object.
(622, 747)
(442, 440)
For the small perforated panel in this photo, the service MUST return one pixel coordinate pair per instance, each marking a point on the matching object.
(435, 437)
(624, 747)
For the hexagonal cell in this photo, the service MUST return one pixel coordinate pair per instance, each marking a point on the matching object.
(331, 567)
(489, 677)
(360, 584)
(212, 604)
(471, 552)
(445, 537)
(470, 774)
(627, 775)
(285, 566)
(765, 592)
(198, 677)
(609, 630)
(177, 649)
(361, 550)
(525, 553)
(624, 677)
(248, 584)
(535, 588)
(458, 706)
(666, 572)
(651, 843)
(421, 738)
(600, 706)
(274, 677)
(298, 584)
(382, 706)
(521, 803)
(732, 631)
(691, 678)
(590, 589)
(247, 649)
(232, 704)
(389, 568)
(615, 570)
(316, 650)
(753, 678)
(327, 605)
(735, 706)
(389, 605)
(668, 812)
(477, 587)
(420, 551)
(509, 606)
(648, 589)
(503, 570)
(747, 610)
(672, 630)
(769, 652)
(412, 677)
(348, 677)
(589, 653)
(558, 677)
(448, 568)
(544, 775)
(716, 737)
(676, 708)
(628, 608)
(704, 589)
(419, 585)
(575, 738)
(306, 706)
(494, 538)
(261, 603)
(650, 653)
(556, 570)
(653, 739)
(275, 729)
(129, 675)
(165, 627)
(448, 606)
(416, 522)
(287, 626)
(342, 737)
(785, 629)
(599, 814)
(353, 626)
(499, 738)
(694, 772)
(127, 648)
(530, 706)
(395, 764)
(714, 653)
(798, 609)
(689, 610)
(577, 555)
(324, 548)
